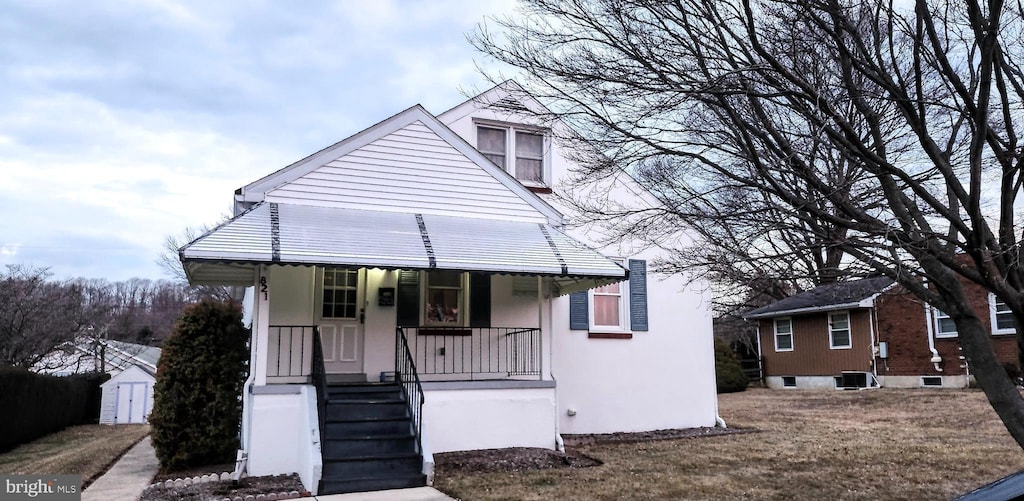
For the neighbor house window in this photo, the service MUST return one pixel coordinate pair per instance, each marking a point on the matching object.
(944, 326)
(839, 330)
(517, 150)
(1002, 317)
(783, 334)
(339, 293)
(445, 298)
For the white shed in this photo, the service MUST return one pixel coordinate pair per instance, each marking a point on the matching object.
(127, 397)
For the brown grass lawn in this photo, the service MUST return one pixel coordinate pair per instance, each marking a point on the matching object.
(815, 445)
(85, 450)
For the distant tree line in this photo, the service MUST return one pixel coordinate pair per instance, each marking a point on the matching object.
(39, 313)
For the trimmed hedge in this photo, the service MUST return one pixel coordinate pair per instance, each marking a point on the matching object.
(728, 373)
(197, 398)
(33, 405)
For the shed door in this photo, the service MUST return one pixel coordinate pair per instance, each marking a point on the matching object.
(132, 403)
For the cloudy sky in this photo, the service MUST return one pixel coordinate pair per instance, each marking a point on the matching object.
(123, 122)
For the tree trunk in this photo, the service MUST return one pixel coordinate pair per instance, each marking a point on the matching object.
(1001, 391)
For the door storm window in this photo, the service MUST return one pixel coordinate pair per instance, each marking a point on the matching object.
(839, 330)
(783, 334)
(340, 288)
(1002, 317)
(944, 326)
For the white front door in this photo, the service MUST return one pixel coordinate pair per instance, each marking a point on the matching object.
(341, 298)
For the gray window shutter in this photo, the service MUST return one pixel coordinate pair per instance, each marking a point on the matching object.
(408, 307)
(479, 300)
(579, 313)
(637, 294)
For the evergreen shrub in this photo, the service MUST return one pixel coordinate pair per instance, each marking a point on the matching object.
(728, 373)
(197, 399)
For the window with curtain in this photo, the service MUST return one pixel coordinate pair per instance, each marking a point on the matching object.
(444, 299)
(525, 146)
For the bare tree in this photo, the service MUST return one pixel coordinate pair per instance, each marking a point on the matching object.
(745, 108)
(37, 314)
(170, 262)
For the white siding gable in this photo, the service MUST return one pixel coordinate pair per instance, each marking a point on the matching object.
(409, 170)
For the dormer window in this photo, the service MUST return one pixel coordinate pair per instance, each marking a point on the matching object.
(518, 150)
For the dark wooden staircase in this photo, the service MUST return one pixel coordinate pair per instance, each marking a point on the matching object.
(369, 440)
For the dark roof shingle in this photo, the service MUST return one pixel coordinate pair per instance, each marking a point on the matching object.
(823, 296)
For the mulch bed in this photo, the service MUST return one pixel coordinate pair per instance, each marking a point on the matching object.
(508, 460)
(647, 436)
(518, 459)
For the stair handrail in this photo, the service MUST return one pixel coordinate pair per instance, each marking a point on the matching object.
(409, 380)
(318, 373)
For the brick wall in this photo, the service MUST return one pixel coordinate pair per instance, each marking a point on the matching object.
(902, 323)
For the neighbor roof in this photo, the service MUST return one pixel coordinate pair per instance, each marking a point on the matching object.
(836, 296)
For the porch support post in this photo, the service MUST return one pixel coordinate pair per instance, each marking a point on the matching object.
(261, 325)
(545, 369)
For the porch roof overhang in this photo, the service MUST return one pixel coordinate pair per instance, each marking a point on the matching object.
(301, 235)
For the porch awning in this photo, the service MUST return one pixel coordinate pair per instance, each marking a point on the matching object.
(288, 234)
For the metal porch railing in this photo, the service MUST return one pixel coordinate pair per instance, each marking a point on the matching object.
(476, 353)
(407, 377)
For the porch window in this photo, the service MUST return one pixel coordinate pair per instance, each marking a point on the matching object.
(944, 326)
(1001, 316)
(339, 293)
(445, 293)
(839, 330)
(783, 334)
(527, 147)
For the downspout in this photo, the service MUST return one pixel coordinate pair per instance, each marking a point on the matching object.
(242, 456)
(872, 320)
(936, 359)
(559, 443)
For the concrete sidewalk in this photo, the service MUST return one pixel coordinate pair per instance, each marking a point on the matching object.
(126, 480)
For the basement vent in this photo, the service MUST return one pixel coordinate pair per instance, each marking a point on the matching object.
(789, 381)
(931, 380)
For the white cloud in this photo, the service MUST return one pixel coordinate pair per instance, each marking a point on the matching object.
(123, 122)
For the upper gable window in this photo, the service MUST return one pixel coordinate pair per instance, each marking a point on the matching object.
(520, 151)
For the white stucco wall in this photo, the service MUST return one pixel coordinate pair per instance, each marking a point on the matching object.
(661, 378)
(286, 436)
(455, 420)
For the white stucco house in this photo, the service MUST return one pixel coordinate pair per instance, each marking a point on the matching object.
(415, 289)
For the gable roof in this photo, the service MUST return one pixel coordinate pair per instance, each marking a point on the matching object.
(438, 167)
(508, 96)
(828, 297)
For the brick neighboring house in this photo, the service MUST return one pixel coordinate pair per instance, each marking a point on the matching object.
(871, 332)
